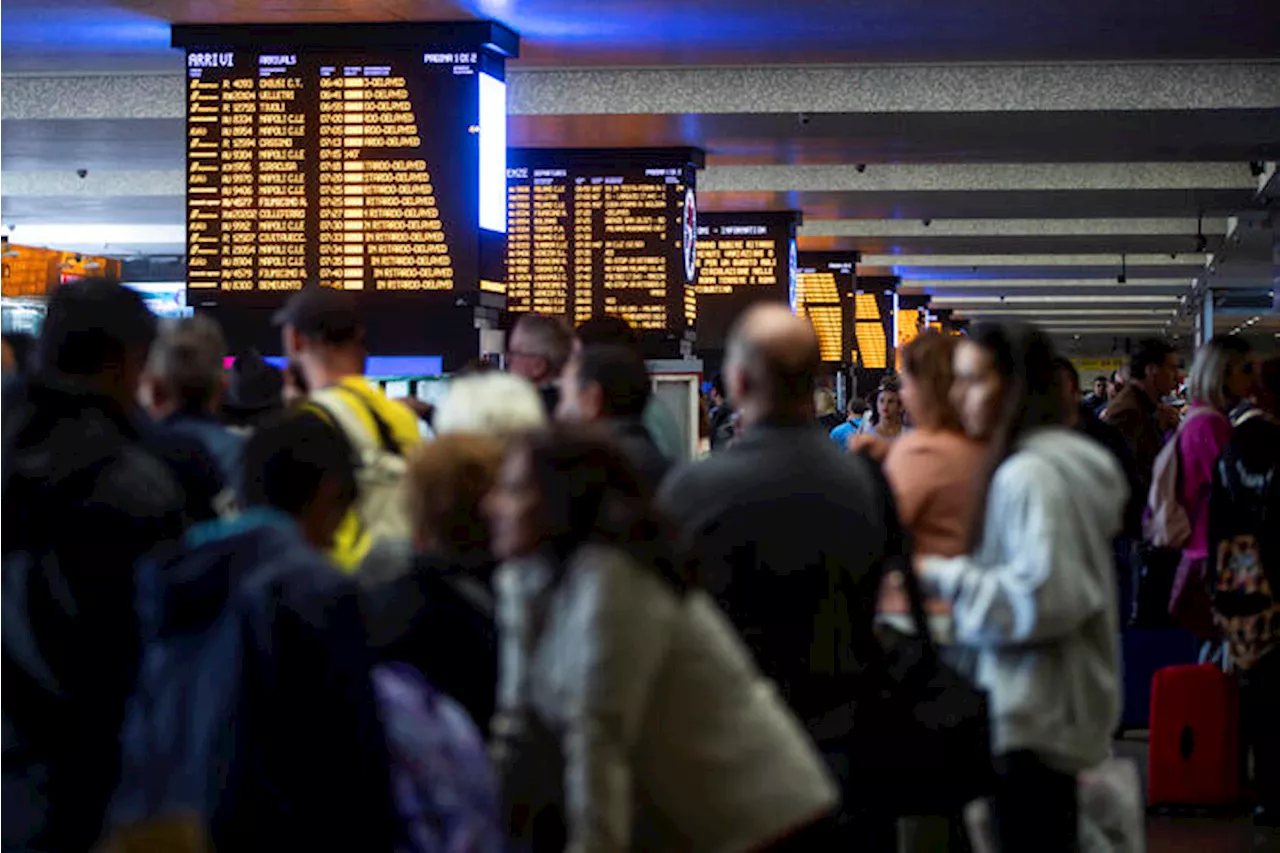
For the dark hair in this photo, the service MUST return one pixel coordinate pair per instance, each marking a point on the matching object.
(1064, 365)
(857, 405)
(607, 329)
(23, 345)
(93, 323)
(886, 384)
(1027, 364)
(717, 384)
(1101, 377)
(1150, 353)
(621, 375)
(286, 460)
(592, 493)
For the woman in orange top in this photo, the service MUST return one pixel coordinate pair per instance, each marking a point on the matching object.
(932, 469)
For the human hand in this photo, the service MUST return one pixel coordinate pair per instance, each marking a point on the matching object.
(1167, 417)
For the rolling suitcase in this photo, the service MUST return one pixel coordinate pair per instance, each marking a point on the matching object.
(1193, 752)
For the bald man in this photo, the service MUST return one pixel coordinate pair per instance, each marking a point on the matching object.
(782, 518)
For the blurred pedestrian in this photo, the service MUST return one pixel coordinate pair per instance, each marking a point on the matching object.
(537, 350)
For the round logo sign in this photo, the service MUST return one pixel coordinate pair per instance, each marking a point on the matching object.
(690, 235)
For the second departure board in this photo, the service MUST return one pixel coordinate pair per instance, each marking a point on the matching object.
(596, 232)
(825, 285)
(311, 160)
(743, 258)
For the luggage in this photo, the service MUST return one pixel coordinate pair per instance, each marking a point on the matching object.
(444, 786)
(1194, 753)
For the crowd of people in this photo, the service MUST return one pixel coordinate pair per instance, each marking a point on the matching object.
(254, 609)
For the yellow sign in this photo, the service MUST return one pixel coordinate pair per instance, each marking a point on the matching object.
(1091, 368)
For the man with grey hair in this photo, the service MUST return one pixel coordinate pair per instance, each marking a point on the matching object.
(784, 523)
(538, 349)
(183, 386)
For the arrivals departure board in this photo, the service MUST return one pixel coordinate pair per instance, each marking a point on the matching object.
(369, 158)
(743, 258)
(825, 286)
(594, 232)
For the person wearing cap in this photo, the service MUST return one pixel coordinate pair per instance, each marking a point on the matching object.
(323, 339)
(255, 393)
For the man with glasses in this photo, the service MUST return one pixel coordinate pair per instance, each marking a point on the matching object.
(538, 350)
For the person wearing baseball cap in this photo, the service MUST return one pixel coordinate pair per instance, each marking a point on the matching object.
(324, 340)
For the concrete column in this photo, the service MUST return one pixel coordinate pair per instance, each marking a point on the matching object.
(1204, 324)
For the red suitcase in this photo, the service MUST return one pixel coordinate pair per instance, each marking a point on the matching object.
(1193, 752)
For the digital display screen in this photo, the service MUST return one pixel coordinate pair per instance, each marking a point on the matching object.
(358, 170)
(825, 289)
(602, 232)
(364, 157)
(743, 258)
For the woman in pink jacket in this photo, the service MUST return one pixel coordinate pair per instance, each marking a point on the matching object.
(1220, 377)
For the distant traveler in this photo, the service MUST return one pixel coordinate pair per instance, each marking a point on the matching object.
(255, 392)
(1221, 376)
(82, 501)
(776, 514)
(1138, 410)
(824, 407)
(669, 737)
(932, 468)
(884, 425)
(184, 385)
(324, 341)
(497, 405)
(855, 412)
(538, 349)
(658, 418)
(1036, 597)
(608, 384)
(1097, 399)
(1244, 553)
(721, 415)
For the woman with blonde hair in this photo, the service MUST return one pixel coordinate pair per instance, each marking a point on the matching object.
(1221, 375)
(932, 468)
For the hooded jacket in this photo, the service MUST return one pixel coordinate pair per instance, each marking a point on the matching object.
(254, 706)
(83, 500)
(1038, 599)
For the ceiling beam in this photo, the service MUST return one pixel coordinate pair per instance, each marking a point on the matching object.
(767, 89)
(902, 228)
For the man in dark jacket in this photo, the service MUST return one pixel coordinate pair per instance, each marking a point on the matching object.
(607, 383)
(1137, 411)
(82, 501)
(783, 518)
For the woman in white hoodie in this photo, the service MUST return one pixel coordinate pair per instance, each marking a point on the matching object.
(622, 688)
(1036, 596)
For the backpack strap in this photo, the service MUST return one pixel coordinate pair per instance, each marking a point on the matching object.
(327, 400)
